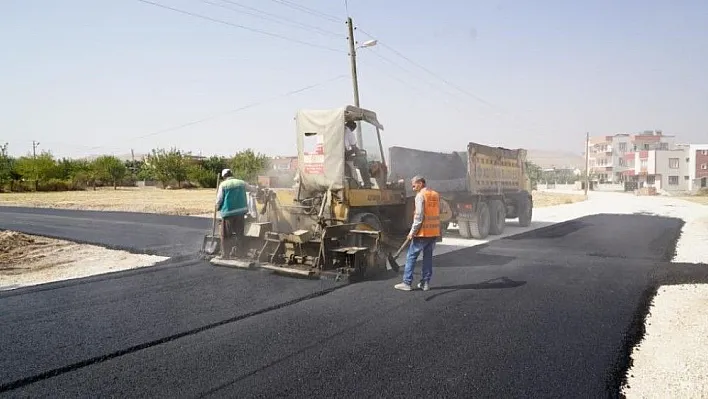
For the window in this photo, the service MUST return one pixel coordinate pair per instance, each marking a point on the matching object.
(643, 164)
(673, 163)
(663, 146)
(673, 180)
(704, 166)
(686, 177)
(622, 147)
(370, 138)
(704, 152)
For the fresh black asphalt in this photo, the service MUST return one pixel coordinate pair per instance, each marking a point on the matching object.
(550, 313)
(139, 232)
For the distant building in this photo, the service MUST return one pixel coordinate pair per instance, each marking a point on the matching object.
(608, 155)
(284, 163)
(698, 167)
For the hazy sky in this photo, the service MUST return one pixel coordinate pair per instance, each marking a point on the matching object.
(104, 76)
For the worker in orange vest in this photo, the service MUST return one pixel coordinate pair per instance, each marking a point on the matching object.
(424, 233)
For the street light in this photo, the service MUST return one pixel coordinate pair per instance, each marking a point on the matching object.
(352, 56)
(369, 43)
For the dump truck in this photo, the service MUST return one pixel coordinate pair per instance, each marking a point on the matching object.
(483, 186)
(328, 224)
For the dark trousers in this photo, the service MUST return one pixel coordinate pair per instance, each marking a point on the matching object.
(232, 229)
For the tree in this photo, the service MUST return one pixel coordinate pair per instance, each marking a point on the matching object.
(246, 165)
(41, 168)
(109, 168)
(214, 164)
(5, 166)
(168, 166)
(534, 172)
(205, 178)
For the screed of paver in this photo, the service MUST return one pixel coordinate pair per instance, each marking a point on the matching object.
(672, 361)
(30, 260)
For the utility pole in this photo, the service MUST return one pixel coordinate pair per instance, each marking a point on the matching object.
(35, 144)
(355, 81)
(587, 163)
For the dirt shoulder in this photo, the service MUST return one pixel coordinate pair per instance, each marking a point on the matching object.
(542, 199)
(147, 200)
(195, 202)
(29, 260)
(699, 200)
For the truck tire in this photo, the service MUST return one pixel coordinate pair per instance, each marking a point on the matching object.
(464, 225)
(525, 211)
(497, 217)
(479, 226)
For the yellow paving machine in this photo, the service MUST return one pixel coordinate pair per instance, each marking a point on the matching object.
(330, 223)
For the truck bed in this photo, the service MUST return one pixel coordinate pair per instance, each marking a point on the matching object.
(480, 170)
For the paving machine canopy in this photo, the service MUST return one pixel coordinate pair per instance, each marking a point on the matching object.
(320, 143)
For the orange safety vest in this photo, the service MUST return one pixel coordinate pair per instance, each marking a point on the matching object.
(431, 214)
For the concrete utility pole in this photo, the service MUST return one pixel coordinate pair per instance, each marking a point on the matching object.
(587, 163)
(355, 80)
(35, 144)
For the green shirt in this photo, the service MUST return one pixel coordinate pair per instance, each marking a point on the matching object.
(231, 199)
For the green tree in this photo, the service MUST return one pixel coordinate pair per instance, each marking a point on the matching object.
(168, 166)
(534, 172)
(205, 178)
(214, 164)
(109, 168)
(247, 165)
(42, 168)
(5, 166)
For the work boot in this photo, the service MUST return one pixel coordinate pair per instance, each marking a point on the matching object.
(403, 287)
(423, 286)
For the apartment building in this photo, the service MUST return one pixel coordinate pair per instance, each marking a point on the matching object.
(698, 167)
(683, 168)
(608, 155)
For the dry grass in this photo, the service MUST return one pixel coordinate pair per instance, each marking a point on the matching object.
(697, 199)
(173, 202)
(149, 200)
(543, 199)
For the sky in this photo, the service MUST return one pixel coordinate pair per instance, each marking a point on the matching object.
(86, 77)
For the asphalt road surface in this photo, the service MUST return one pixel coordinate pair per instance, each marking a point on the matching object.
(139, 232)
(550, 313)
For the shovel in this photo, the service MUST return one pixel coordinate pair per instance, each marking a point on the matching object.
(211, 243)
(392, 258)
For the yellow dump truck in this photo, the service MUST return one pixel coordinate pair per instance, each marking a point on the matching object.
(484, 186)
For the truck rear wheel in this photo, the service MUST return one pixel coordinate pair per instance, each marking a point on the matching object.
(525, 211)
(479, 226)
(497, 213)
(464, 225)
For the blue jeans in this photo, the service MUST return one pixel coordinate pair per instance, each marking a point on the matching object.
(418, 244)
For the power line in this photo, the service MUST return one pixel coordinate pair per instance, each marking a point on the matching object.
(499, 109)
(387, 60)
(308, 10)
(240, 26)
(257, 13)
(398, 53)
(233, 111)
(414, 89)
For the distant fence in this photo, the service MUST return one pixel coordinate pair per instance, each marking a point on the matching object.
(579, 186)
